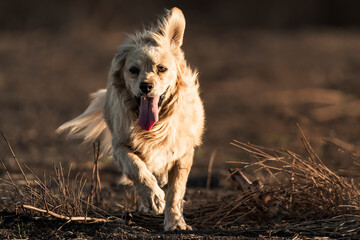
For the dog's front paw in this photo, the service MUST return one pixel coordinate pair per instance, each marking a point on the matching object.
(153, 201)
(177, 223)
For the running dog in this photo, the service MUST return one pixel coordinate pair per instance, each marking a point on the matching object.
(150, 117)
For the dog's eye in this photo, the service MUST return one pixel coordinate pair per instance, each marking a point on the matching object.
(134, 70)
(161, 69)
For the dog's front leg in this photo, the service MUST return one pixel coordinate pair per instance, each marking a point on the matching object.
(174, 219)
(145, 183)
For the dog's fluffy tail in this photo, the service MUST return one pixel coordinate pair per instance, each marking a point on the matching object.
(90, 126)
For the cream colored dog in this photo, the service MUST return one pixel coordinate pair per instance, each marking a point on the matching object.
(150, 116)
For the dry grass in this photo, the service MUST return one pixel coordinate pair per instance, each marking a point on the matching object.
(298, 195)
(301, 195)
(57, 195)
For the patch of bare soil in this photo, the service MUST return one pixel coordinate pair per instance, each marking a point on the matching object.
(28, 228)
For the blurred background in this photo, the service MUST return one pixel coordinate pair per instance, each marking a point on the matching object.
(264, 66)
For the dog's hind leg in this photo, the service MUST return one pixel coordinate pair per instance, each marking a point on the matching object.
(174, 219)
(145, 183)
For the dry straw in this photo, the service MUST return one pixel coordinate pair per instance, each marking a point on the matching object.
(298, 195)
(302, 195)
(56, 195)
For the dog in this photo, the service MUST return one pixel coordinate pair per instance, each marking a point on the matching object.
(150, 117)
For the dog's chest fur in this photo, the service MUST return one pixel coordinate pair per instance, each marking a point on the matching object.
(170, 138)
(166, 143)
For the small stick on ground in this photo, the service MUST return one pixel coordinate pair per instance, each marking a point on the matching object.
(240, 179)
(87, 219)
(211, 162)
(246, 185)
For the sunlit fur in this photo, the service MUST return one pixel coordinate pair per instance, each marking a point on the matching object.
(163, 155)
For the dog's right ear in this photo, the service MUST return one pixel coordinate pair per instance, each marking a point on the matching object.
(173, 26)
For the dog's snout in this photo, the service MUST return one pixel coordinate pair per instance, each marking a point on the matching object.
(146, 87)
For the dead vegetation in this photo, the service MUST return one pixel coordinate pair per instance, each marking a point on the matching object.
(295, 194)
(300, 195)
(58, 195)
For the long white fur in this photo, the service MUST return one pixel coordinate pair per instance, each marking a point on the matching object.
(90, 126)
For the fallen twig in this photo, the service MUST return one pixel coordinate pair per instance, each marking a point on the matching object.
(89, 219)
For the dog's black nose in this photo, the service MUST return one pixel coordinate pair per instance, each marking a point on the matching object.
(146, 87)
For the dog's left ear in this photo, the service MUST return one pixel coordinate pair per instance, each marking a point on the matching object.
(174, 26)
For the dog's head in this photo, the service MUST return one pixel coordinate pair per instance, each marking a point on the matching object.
(149, 63)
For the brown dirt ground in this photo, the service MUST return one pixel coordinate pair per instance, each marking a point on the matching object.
(256, 85)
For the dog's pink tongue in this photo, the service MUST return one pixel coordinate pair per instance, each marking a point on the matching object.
(149, 112)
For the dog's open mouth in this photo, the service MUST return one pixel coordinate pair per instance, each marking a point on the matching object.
(162, 97)
(149, 110)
